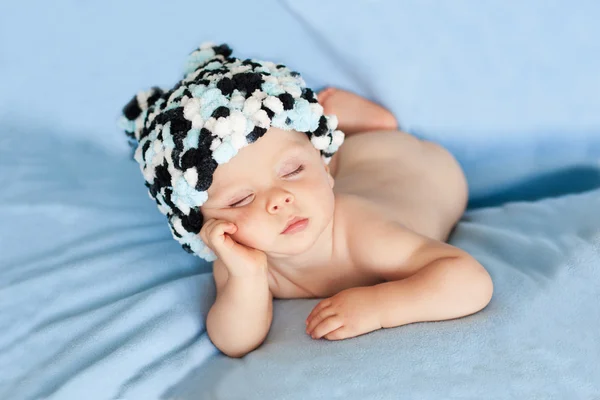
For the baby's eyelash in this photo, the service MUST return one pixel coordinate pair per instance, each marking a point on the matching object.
(300, 169)
(238, 202)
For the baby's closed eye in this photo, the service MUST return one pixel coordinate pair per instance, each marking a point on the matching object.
(296, 172)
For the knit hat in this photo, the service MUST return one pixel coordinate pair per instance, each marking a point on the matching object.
(221, 105)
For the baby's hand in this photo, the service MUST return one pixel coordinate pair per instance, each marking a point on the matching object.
(351, 312)
(240, 260)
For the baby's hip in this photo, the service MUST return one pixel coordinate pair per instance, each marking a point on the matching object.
(434, 179)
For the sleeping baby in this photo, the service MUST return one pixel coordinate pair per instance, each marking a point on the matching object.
(294, 194)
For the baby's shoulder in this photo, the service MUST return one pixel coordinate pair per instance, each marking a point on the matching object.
(375, 239)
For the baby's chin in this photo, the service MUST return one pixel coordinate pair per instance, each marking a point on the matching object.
(289, 248)
(283, 247)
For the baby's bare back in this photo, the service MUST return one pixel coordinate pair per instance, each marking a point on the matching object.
(383, 180)
(417, 183)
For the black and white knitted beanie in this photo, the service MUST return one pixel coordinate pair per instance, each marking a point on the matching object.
(221, 105)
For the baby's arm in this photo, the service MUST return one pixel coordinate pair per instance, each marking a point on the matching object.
(434, 281)
(241, 317)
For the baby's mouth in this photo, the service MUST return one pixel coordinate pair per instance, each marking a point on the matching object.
(295, 225)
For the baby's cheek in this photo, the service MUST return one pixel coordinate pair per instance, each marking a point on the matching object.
(241, 220)
(244, 231)
(257, 234)
(248, 237)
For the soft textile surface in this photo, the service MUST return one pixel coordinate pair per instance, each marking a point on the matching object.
(537, 339)
(96, 298)
(510, 87)
(98, 301)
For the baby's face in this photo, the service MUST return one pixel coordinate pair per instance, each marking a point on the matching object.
(278, 177)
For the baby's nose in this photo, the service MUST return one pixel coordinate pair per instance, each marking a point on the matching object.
(286, 199)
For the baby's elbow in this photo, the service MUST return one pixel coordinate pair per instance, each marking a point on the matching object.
(474, 286)
(239, 352)
(235, 354)
(483, 287)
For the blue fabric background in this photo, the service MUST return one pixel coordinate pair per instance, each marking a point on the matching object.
(511, 88)
(98, 301)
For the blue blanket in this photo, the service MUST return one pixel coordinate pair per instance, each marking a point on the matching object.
(98, 301)
(538, 337)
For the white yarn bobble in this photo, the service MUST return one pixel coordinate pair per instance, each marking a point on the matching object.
(197, 122)
(142, 98)
(215, 143)
(332, 122)
(275, 105)
(222, 127)
(269, 64)
(316, 109)
(237, 100)
(149, 174)
(191, 109)
(158, 146)
(238, 140)
(240, 69)
(159, 155)
(293, 89)
(270, 79)
(203, 251)
(182, 206)
(238, 122)
(261, 119)
(210, 124)
(191, 176)
(338, 138)
(320, 142)
(251, 106)
(260, 95)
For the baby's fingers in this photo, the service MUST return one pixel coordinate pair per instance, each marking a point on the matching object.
(318, 308)
(213, 233)
(318, 318)
(204, 232)
(327, 325)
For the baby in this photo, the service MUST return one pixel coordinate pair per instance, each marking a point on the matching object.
(362, 225)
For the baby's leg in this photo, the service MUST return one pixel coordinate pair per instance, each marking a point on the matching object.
(355, 113)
